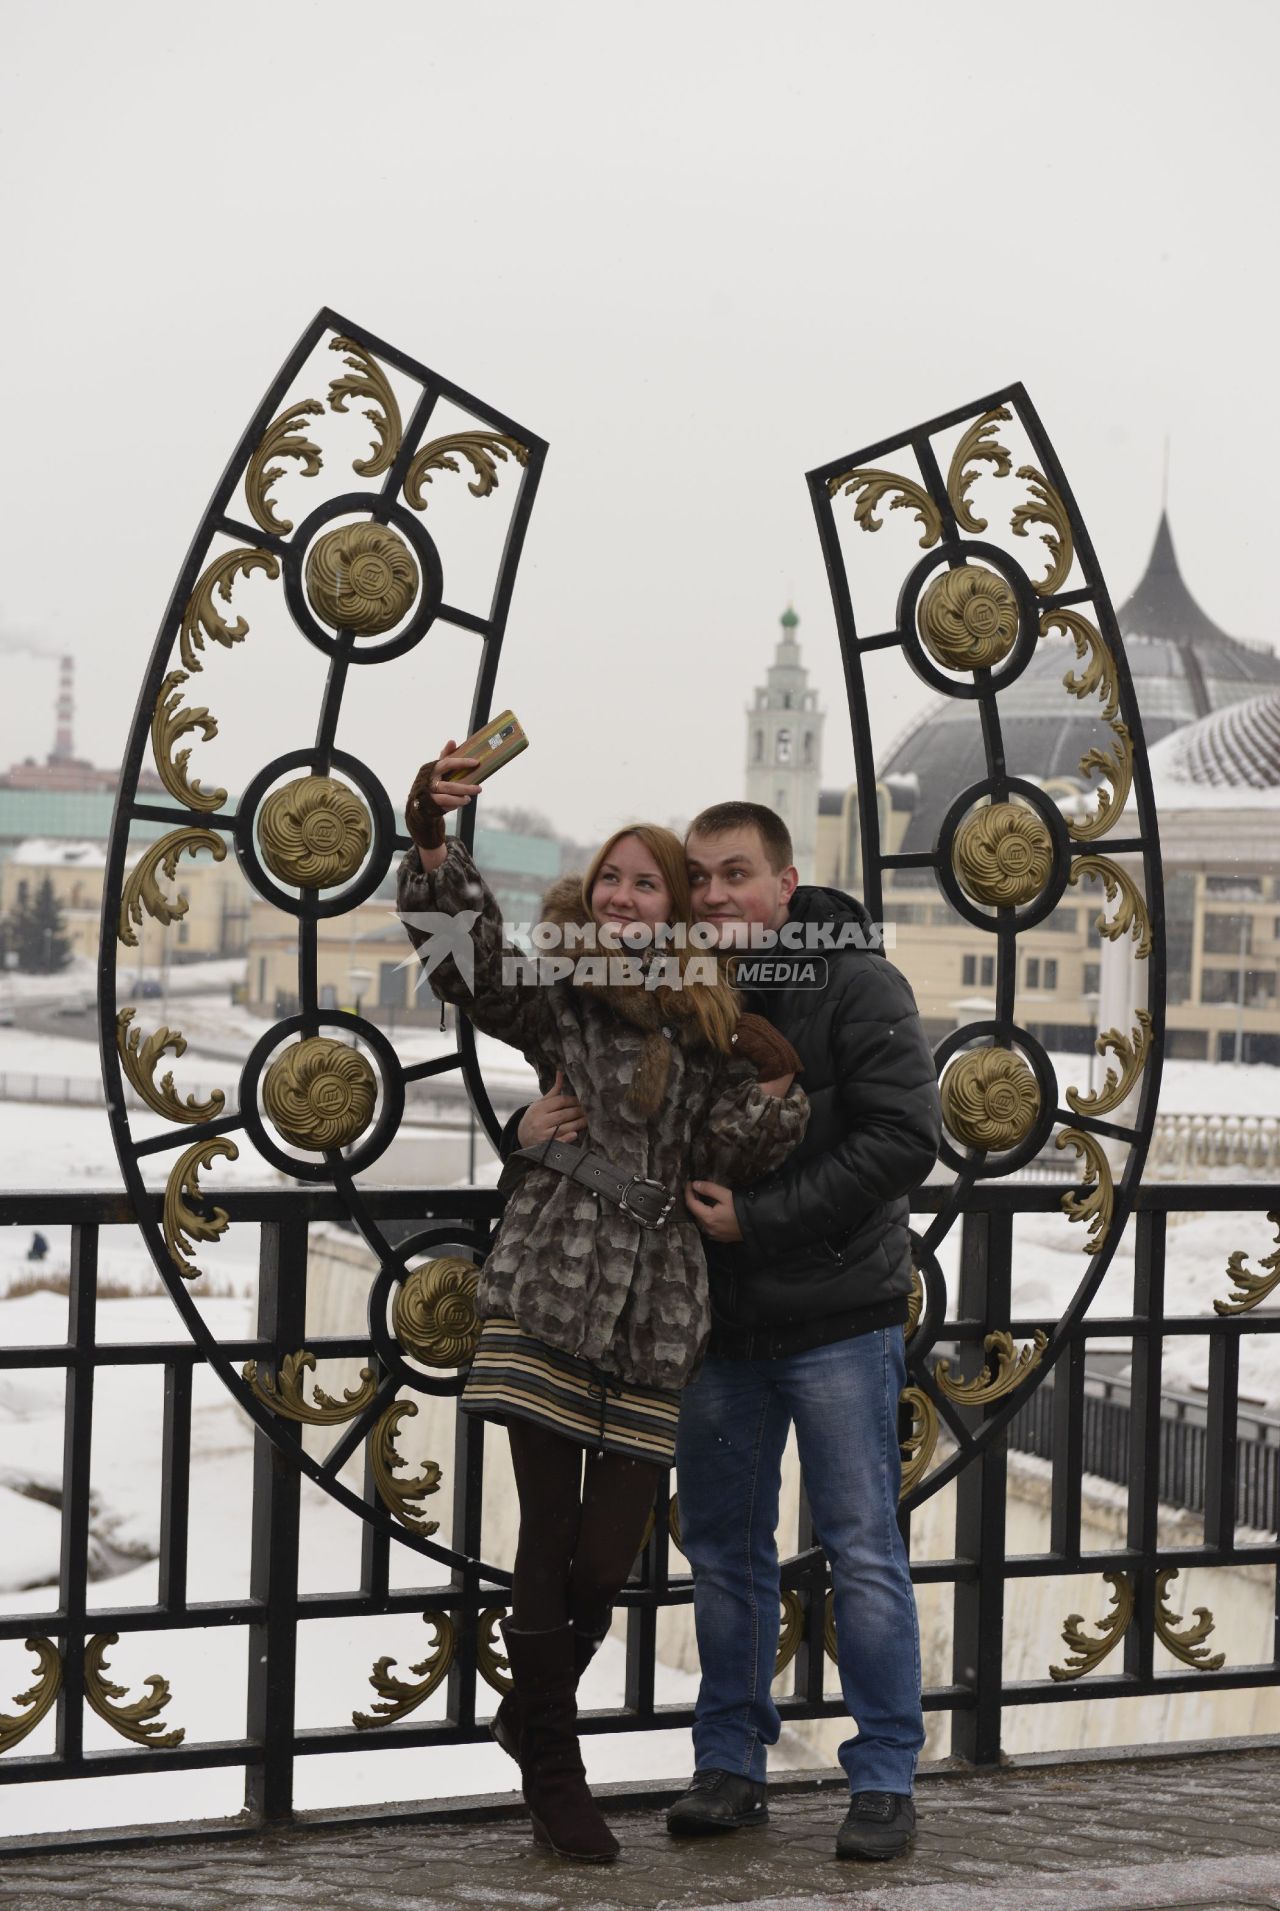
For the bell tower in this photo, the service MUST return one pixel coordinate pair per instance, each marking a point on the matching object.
(784, 745)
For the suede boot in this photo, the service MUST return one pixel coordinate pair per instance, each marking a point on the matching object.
(506, 1723)
(552, 1776)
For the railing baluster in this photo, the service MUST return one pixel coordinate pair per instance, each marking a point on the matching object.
(175, 1485)
(1221, 1441)
(466, 1538)
(77, 1461)
(375, 1543)
(978, 1644)
(273, 1573)
(1145, 1435)
(1068, 1403)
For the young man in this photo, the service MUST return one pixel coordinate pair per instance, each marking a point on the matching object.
(809, 1274)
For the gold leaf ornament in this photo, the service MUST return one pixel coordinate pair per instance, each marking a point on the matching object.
(140, 1056)
(871, 486)
(1045, 507)
(1115, 763)
(1012, 1367)
(1188, 1646)
(1131, 1051)
(365, 378)
(990, 1098)
(491, 1661)
(979, 445)
(1089, 1653)
(286, 1395)
(38, 1698)
(1096, 1205)
(169, 721)
(361, 577)
(1251, 1288)
(482, 450)
(386, 1460)
(398, 1697)
(1099, 675)
(183, 1224)
(1118, 886)
(320, 1093)
(202, 619)
(284, 437)
(142, 886)
(968, 618)
(314, 832)
(917, 1448)
(1002, 854)
(434, 1314)
(140, 1721)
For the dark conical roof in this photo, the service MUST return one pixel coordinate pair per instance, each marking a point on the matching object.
(1161, 605)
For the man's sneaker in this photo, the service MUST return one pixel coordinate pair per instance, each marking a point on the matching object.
(877, 1825)
(718, 1801)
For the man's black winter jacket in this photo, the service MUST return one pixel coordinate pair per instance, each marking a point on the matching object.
(825, 1252)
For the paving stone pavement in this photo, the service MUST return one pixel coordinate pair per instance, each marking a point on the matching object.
(1200, 1834)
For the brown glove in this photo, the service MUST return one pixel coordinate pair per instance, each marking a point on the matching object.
(423, 816)
(771, 1052)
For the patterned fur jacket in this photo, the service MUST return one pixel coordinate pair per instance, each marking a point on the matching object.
(569, 1267)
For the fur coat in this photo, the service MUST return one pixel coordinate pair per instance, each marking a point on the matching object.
(570, 1267)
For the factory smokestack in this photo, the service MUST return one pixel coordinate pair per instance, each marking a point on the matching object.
(63, 744)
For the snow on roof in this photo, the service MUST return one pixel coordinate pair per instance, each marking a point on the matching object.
(53, 849)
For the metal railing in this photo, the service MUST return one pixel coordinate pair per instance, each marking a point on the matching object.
(1073, 1429)
(1184, 1446)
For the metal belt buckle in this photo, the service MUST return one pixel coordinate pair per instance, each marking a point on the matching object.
(645, 1181)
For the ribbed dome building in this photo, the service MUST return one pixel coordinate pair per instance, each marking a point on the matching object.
(1229, 752)
(1210, 706)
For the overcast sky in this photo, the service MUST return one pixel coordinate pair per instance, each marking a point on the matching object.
(698, 247)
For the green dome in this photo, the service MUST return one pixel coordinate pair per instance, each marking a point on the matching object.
(788, 619)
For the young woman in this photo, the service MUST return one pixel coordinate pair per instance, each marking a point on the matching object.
(593, 1299)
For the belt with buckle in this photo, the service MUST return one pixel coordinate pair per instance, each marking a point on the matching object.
(647, 1201)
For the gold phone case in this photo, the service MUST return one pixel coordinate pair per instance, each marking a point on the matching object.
(500, 740)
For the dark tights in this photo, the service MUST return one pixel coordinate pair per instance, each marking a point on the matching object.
(579, 1536)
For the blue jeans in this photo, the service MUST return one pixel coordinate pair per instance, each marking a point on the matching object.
(734, 1418)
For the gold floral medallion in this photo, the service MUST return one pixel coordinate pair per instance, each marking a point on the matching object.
(1002, 854)
(361, 577)
(314, 832)
(968, 618)
(434, 1314)
(320, 1093)
(990, 1098)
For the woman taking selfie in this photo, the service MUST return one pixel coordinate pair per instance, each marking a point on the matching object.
(594, 1295)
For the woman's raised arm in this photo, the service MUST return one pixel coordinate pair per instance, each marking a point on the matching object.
(453, 919)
